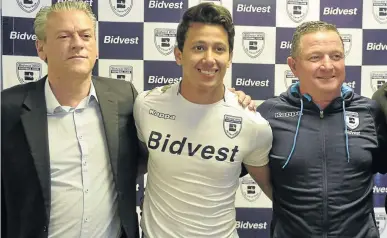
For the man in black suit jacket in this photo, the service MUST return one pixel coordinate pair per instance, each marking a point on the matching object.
(66, 41)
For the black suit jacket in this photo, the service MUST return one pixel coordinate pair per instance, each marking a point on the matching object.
(25, 162)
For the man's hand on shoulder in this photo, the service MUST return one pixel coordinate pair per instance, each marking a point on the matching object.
(244, 100)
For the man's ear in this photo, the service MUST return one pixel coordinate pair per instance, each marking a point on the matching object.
(292, 65)
(230, 60)
(39, 44)
(178, 55)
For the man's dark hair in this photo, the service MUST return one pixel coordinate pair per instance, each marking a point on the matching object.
(207, 13)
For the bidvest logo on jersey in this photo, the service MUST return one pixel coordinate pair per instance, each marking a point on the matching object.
(28, 5)
(376, 46)
(232, 125)
(251, 225)
(249, 189)
(287, 114)
(165, 4)
(289, 78)
(28, 71)
(166, 116)
(380, 218)
(15, 35)
(253, 43)
(297, 9)
(339, 11)
(165, 39)
(347, 41)
(157, 141)
(217, 2)
(352, 119)
(378, 78)
(121, 72)
(379, 10)
(121, 7)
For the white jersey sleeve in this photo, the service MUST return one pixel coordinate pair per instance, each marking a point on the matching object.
(263, 142)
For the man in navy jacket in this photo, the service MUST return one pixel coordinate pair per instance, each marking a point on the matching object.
(327, 144)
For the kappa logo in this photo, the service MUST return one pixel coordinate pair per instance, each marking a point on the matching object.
(380, 218)
(289, 78)
(121, 7)
(249, 188)
(28, 5)
(217, 2)
(253, 43)
(297, 9)
(352, 119)
(379, 10)
(378, 78)
(28, 71)
(232, 125)
(165, 40)
(121, 72)
(347, 41)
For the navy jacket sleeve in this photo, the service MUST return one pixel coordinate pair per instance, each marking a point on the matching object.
(379, 157)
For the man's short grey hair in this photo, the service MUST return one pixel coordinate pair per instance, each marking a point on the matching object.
(41, 17)
(310, 27)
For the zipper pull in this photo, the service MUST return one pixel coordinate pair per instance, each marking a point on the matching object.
(321, 114)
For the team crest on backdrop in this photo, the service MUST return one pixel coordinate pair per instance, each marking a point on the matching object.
(165, 39)
(27, 5)
(249, 189)
(121, 7)
(378, 78)
(379, 10)
(347, 41)
(121, 72)
(289, 78)
(297, 9)
(28, 71)
(352, 119)
(380, 218)
(218, 2)
(253, 43)
(232, 125)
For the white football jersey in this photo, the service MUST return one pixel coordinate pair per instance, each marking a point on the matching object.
(195, 156)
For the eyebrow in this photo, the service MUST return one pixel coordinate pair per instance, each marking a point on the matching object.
(70, 31)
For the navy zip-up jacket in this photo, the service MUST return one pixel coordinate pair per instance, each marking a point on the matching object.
(322, 165)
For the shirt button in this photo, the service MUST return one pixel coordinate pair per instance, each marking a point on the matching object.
(86, 219)
(45, 228)
(86, 190)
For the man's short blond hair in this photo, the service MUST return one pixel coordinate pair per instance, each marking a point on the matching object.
(41, 17)
(310, 27)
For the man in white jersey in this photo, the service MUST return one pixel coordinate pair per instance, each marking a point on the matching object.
(198, 135)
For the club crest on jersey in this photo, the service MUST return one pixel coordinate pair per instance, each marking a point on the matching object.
(352, 119)
(28, 5)
(377, 79)
(121, 72)
(379, 10)
(28, 71)
(217, 2)
(165, 40)
(380, 218)
(249, 188)
(289, 78)
(347, 40)
(232, 125)
(297, 9)
(121, 7)
(253, 43)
